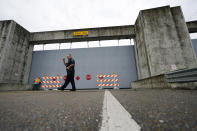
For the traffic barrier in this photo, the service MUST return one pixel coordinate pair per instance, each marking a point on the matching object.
(107, 84)
(50, 86)
(51, 81)
(47, 77)
(107, 80)
(110, 75)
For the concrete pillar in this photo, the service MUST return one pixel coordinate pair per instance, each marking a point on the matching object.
(15, 53)
(162, 41)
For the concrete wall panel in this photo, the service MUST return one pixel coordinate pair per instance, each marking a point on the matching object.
(14, 54)
(162, 40)
(140, 49)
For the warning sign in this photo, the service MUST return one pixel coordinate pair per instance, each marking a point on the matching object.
(88, 77)
(77, 78)
(80, 33)
(173, 67)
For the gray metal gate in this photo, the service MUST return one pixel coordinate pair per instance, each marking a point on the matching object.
(194, 41)
(92, 61)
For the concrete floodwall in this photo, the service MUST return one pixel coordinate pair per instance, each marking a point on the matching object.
(91, 61)
(15, 53)
(162, 42)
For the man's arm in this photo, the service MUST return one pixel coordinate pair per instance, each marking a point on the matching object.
(64, 61)
(72, 65)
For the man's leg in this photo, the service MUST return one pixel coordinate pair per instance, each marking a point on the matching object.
(68, 79)
(73, 82)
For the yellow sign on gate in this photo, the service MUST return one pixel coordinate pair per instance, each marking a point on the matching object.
(80, 33)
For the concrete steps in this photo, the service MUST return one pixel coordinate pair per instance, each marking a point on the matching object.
(183, 79)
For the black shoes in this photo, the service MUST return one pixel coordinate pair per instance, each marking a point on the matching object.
(60, 88)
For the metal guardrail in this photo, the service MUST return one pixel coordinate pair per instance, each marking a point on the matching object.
(182, 76)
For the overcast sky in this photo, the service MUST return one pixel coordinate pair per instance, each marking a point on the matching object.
(45, 15)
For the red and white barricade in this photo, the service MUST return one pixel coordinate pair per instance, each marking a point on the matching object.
(50, 82)
(107, 80)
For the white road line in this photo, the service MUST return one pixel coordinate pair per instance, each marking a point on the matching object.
(115, 117)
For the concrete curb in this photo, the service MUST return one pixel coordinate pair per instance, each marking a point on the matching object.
(15, 87)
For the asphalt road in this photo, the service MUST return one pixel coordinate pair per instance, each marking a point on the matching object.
(161, 109)
(152, 109)
(50, 110)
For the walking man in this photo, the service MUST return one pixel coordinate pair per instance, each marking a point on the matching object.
(70, 68)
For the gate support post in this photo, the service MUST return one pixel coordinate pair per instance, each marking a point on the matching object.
(162, 40)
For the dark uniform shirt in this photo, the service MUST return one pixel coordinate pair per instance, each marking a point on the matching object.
(72, 69)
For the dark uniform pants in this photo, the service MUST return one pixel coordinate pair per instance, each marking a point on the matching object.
(70, 78)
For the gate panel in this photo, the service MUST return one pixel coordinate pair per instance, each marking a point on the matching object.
(89, 61)
(194, 42)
